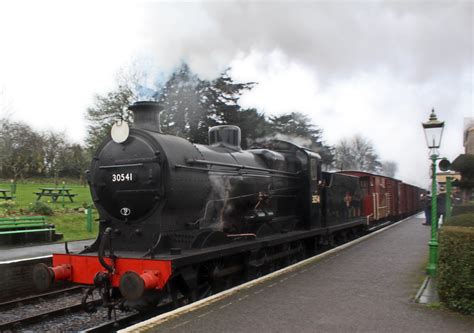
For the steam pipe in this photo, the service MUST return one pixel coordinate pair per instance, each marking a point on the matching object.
(105, 239)
(240, 167)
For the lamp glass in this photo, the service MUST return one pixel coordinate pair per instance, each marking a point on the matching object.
(433, 131)
(433, 135)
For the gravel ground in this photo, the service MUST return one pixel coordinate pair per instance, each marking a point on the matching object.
(73, 322)
(66, 323)
(43, 305)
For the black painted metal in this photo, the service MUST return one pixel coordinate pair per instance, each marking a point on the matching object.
(241, 167)
(146, 115)
(163, 198)
(158, 193)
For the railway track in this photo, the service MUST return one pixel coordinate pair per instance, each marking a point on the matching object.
(41, 316)
(29, 319)
(38, 298)
(129, 319)
(21, 312)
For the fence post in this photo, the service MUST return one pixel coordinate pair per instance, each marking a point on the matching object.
(12, 187)
(448, 198)
(89, 218)
(64, 186)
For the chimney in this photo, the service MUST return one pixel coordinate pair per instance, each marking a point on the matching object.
(146, 115)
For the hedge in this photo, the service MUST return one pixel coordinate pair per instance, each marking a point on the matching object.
(463, 220)
(462, 209)
(456, 267)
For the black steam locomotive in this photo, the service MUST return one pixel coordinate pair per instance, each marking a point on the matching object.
(184, 220)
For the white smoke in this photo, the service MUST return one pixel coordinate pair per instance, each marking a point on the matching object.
(297, 140)
(372, 68)
(419, 40)
(369, 67)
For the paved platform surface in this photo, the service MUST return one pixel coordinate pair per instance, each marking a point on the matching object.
(25, 252)
(368, 287)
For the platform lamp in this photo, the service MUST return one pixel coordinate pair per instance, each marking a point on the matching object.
(433, 129)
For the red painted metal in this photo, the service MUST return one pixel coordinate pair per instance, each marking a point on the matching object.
(150, 279)
(392, 197)
(62, 272)
(84, 268)
(386, 197)
(403, 199)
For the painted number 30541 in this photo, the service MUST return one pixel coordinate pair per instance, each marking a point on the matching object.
(122, 177)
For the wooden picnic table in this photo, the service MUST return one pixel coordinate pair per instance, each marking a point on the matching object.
(5, 194)
(55, 193)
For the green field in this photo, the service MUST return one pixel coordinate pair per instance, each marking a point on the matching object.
(68, 217)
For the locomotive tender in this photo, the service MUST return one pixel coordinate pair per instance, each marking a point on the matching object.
(184, 220)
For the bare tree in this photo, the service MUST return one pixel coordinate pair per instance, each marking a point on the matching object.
(20, 150)
(389, 168)
(72, 161)
(54, 144)
(356, 153)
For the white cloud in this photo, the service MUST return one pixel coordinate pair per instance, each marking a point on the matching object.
(374, 68)
(382, 107)
(56, 56)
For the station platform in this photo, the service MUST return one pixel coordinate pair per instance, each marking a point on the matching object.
(16, 266)
(8, 254)
(367, 287)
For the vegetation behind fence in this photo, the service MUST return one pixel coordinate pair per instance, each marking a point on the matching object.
(68, 217)
(456, 263)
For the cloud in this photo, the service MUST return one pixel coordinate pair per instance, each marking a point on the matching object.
(57, 55)
(385, 108)
(369, 67)
(419, 40)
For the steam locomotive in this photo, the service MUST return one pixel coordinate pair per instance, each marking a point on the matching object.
(184, 220)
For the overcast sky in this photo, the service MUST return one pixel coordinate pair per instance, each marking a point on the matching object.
(374, 68)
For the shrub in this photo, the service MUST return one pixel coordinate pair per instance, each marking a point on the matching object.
(8, 207)
(463, 220)
(456, 268)
(41, 208)
(463, 209)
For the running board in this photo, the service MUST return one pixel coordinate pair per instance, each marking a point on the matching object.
(379, 226)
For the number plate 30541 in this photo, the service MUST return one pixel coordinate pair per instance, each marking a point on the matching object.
(123, 177)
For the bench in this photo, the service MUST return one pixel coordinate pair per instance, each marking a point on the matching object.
(69, 195)
(14, 230)
(5, 195)
(55, 193)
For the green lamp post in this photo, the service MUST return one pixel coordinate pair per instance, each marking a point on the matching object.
(433, 129)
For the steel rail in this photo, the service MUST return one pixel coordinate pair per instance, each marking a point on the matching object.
(36, 318)
(37, 298)
(130, 319)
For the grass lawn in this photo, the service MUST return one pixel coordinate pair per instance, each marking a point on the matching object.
(69, 218)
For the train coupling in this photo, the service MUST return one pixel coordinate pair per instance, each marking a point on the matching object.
(44, 276)
(133, 285)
